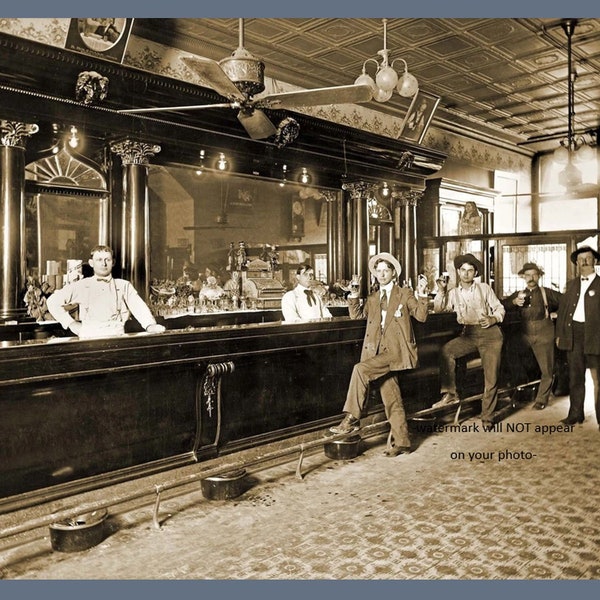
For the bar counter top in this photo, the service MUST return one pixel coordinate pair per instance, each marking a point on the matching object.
(76, 414)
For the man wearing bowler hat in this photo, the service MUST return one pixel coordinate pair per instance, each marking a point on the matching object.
(536, 305)
(480, 312)
(577, 331)
(389, 345)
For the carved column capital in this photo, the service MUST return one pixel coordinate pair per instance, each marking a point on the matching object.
(328, 195)
(359, 189)
(407, 197)
(14, 133)
(133, 152)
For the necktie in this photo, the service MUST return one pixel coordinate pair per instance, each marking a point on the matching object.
(584, 279)
(310, 296)
(383, 302)
(105, 279)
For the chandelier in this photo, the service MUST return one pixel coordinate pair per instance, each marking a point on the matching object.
(575, 148)
(386, 78)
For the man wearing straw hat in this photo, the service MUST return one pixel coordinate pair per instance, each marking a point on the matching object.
(536, 305)
(389, 345)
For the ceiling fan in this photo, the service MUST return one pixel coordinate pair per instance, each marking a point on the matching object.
(241, 76)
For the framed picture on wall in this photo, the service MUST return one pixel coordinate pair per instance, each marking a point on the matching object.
(418, 117)
(103, 37)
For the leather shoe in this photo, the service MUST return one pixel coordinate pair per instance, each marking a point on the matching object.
(349, 424)
(571, 421)
(539, 406)
(447, 398)
(396, 450)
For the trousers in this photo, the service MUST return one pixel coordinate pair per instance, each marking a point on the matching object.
(488, 343)
(578, 362)
(377, 369)
(540, 337)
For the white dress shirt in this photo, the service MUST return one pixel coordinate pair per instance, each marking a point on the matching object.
(295, 307)
(579, 314)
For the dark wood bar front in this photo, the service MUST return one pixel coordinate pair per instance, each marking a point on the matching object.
(77, 414)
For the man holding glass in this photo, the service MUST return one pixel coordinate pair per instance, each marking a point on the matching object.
(480, 312)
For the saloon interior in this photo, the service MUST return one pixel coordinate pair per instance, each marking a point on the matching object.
(183, 143)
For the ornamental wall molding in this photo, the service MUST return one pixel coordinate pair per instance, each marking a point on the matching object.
(162, 60)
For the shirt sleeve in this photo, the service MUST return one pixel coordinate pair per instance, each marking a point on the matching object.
(138, 308)
(495, 305)
(56, 304)
(288, 307)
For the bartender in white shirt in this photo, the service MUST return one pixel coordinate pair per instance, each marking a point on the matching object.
(105, 303)
(304, 302)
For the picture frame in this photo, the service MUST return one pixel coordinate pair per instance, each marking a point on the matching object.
(419, 115)
(101, 37)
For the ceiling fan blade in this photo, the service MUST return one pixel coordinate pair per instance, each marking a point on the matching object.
(211, 72)
(173, 108)
(343, 94)
(257, 124)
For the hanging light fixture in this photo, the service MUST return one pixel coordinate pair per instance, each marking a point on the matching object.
(222, 162)
(200, 168)
(74, 138)
(386, 78)
(283, 176)
(574, 148)
(304, 177)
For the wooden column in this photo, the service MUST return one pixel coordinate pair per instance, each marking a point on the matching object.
(335, 246)
(405, 231)
(359, 231)
(135, 212)
(12, 216)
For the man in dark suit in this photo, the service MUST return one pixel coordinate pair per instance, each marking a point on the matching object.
(577, 330)
(389, 345)
(536, 305)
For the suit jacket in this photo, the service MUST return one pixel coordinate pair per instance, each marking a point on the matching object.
(566, 309)
(397, 336)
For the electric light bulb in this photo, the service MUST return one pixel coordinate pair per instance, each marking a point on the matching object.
(222, 162)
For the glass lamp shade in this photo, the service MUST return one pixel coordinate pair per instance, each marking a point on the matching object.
(561, 155)
(407, 85)
(382, 95)
(386, 79)
(366, 79)
(570, 176)
(585, 153)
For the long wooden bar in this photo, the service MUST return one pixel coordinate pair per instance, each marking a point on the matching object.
(77, 414)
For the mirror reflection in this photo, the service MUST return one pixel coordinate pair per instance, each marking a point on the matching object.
(200, 222)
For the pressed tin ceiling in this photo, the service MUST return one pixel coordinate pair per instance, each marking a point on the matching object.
(506, 78)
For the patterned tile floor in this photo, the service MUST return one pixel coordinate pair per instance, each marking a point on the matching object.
(499, 505)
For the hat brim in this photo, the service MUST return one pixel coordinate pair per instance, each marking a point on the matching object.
(387, 257)
(469, 259)
(540, 272)
(581, 250)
